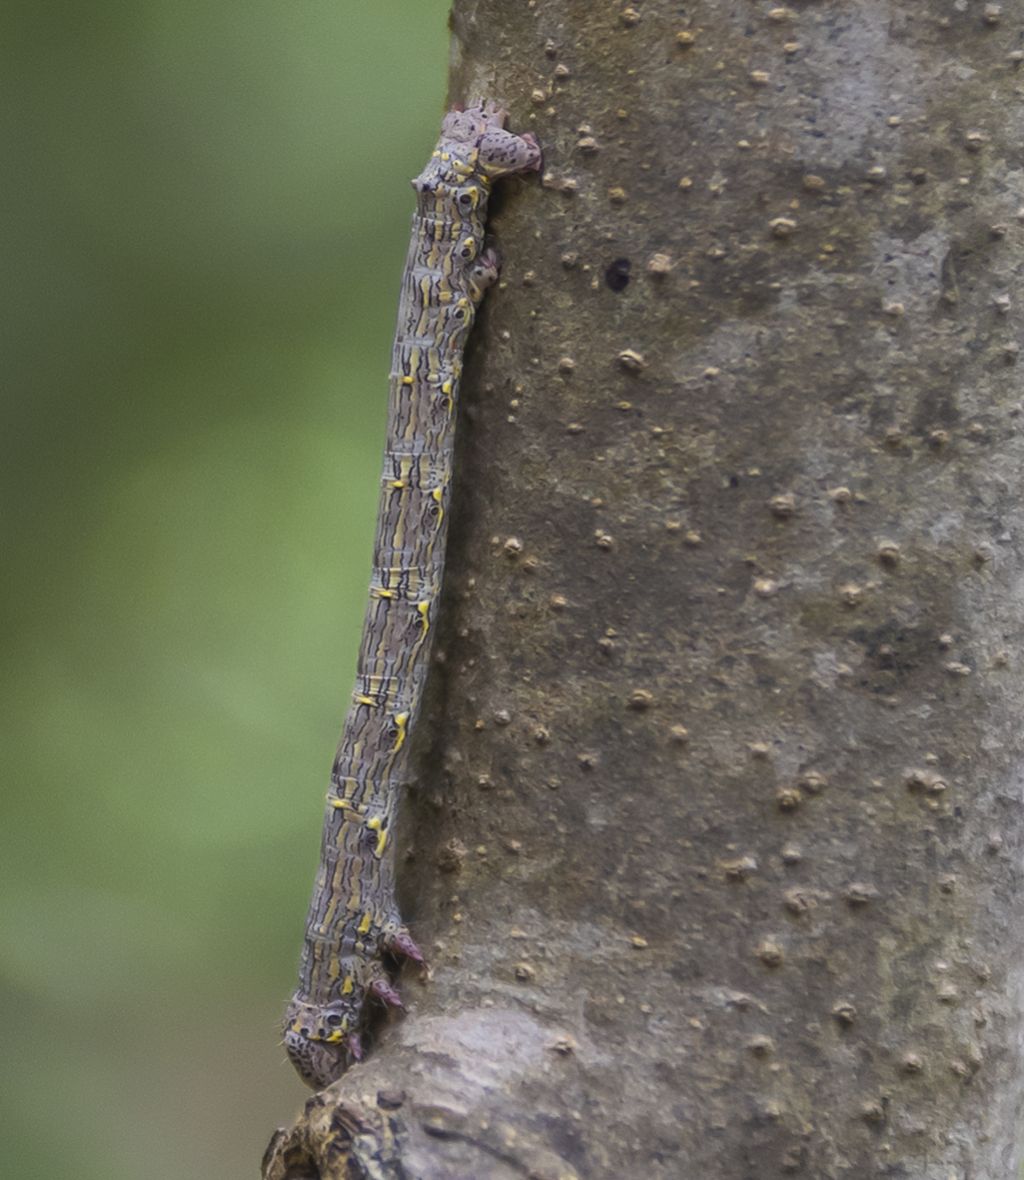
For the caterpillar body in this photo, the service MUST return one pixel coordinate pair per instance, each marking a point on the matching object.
(353, 927)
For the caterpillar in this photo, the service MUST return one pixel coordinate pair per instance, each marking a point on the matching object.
(354, 929)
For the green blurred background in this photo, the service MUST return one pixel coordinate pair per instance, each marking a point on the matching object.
(206, 217)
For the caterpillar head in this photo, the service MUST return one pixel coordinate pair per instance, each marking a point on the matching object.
(320, 1039)
(499, 152)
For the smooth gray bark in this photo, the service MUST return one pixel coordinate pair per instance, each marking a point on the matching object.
(718, 853)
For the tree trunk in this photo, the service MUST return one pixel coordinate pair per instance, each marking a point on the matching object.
(716, 852)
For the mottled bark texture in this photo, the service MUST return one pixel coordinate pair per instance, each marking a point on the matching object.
(718, 849)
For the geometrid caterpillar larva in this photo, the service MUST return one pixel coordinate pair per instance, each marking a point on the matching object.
(353, 925)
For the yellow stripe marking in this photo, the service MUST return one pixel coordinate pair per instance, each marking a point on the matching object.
(401, 721)
(423, 608)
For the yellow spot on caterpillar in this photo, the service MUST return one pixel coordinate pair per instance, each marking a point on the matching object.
(377, 825)
(365, 700)
(364, 925)
(446, 156)
(434, 155)
(407, 380)
(423, 609)
(444, 296)
(398, 483)
(334, 1038)
(339, 804)
(446, 388)
(401, 721)
(347, 986)
(380, 592)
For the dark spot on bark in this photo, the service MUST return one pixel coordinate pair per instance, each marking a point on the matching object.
(617, 274)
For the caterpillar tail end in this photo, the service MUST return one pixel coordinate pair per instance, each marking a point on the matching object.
(324, 1039)
(317, 1062)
